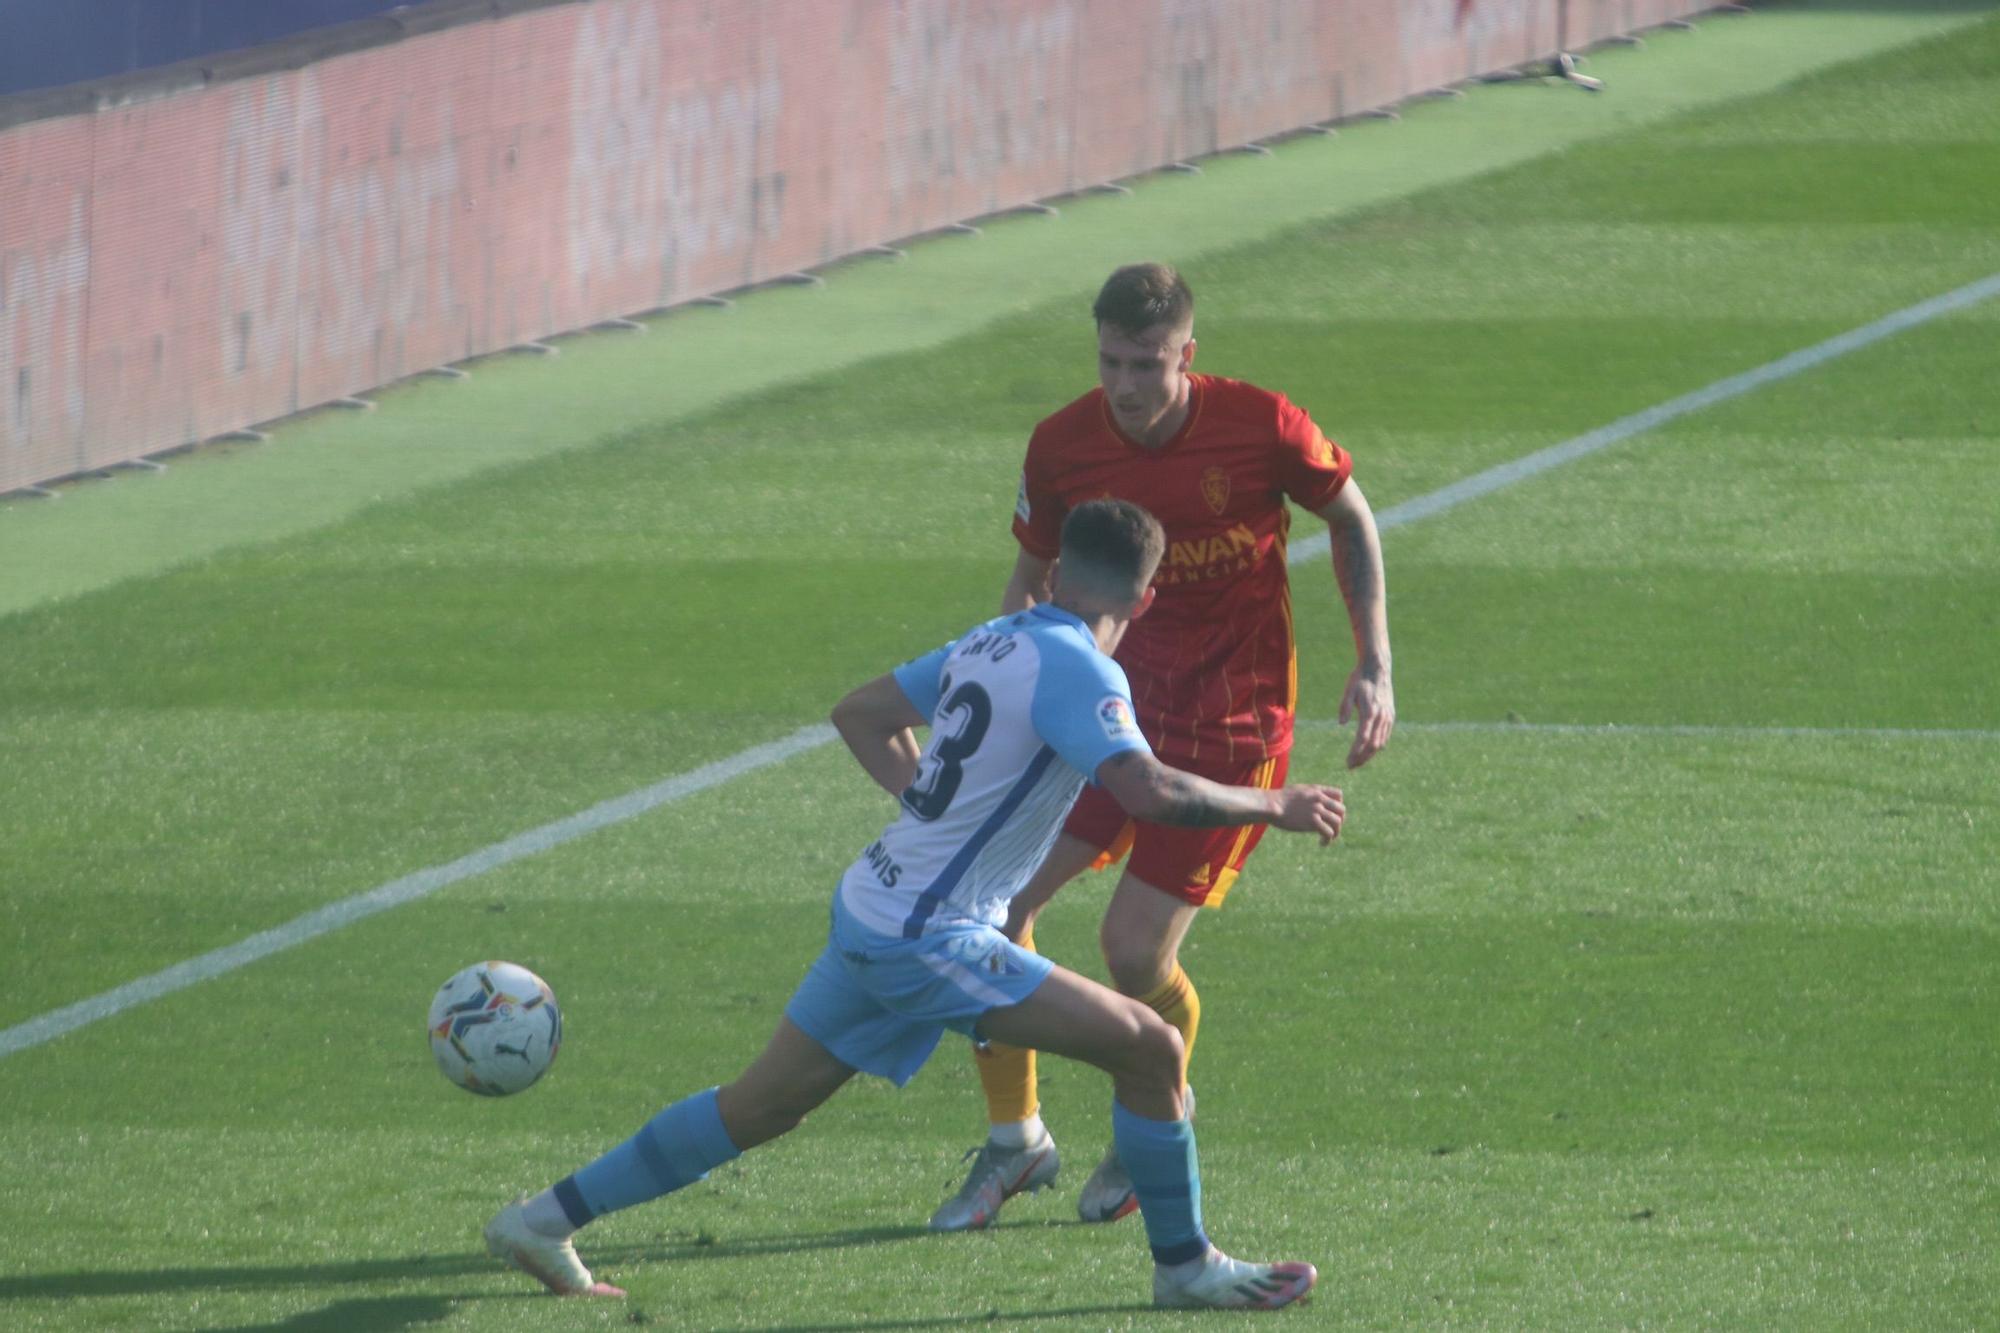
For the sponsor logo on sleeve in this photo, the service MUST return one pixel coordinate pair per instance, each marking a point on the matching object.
(1022, 510)
(1115, 716)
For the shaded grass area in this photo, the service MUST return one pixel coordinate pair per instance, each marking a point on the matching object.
(1496, 1192)
(1647, 1005)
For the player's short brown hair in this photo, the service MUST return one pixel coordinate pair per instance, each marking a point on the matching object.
(1111, 547)
(1138, 296)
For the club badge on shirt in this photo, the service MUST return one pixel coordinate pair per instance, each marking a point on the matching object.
(1215, 488)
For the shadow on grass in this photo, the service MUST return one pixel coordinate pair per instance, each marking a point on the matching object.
(131, 1282)
(380, 1314)
(385, 1314)
(990, 1318)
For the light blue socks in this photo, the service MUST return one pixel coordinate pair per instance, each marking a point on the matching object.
(1159, 1155)
(677, 1147)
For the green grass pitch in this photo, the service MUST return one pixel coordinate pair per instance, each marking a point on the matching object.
(1692, 1022)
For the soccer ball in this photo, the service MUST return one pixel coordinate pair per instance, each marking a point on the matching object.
(495, 1028)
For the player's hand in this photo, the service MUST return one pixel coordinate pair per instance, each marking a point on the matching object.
(1371, 701)
(1308, 808)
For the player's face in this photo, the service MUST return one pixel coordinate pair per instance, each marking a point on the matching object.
(1144, 375)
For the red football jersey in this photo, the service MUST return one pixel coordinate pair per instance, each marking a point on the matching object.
(1213, 667)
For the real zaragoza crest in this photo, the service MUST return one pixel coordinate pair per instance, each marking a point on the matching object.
(1215, 488)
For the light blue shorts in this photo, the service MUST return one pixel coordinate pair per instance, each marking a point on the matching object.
(881, 1003)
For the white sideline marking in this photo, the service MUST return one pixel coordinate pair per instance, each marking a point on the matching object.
(409, 888)
(1692, 729)
(1506, 474)
(423, 883)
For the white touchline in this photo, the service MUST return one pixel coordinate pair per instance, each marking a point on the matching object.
(1678, 730)
(1506, 474)
(408, 889)
(423, 883)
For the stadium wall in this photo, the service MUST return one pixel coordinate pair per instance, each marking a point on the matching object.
(199, 249)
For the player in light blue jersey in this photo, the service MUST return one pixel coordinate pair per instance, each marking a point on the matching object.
(1022, 711)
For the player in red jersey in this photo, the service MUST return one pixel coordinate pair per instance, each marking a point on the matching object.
(1213, 669)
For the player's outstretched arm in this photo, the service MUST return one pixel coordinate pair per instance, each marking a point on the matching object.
(1370, 698)
(877, 720)
(1161, 794)
(1028, 585)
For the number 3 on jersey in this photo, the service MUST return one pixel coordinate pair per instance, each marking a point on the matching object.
(961, 724)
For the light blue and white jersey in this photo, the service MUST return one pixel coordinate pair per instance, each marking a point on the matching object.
(1023, 709)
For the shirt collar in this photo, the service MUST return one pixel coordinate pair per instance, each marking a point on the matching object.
(1050, 611)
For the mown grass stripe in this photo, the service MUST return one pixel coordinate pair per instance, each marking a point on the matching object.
(410, 888)
(423, 883)
(1503, 475)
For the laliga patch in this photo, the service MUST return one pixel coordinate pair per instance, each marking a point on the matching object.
(1022, 510)
(1115, 716)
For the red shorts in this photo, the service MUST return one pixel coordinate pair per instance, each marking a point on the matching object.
(1196, 865)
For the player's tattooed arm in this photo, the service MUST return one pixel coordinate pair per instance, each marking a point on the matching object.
(877, 721)
(1370, 698)
(1357, 567)
(1161, 794)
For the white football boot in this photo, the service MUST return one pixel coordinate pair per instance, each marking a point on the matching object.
(1107, 1195)
(551, 1262)
(1217, 1282)
(997, 1175)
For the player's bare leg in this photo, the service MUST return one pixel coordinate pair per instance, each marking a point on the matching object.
(1141, 938)
(1072, 1016)
(792, 1077)
(1142, 933)
(1142, 1052)
(1019, 1155)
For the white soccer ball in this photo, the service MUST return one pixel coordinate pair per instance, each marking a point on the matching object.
(495, 1028)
